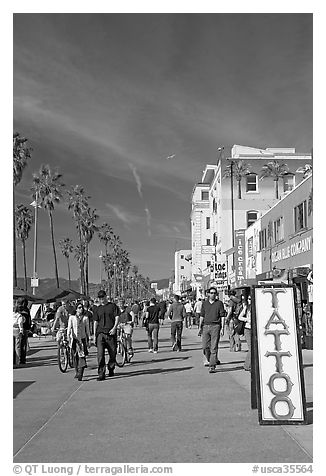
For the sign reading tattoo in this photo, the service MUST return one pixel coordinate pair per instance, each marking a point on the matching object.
(279, 370)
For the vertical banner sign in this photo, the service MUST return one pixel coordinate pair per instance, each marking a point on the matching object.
(280, 385)
(239, 257)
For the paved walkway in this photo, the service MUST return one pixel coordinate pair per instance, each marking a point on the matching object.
(162, 407)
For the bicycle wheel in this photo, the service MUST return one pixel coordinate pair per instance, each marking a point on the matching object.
(129, 355)
(121, 354)
(71, 358)
(62, 358)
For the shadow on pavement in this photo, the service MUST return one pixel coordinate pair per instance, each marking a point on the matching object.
(140, 362)
(142, 372)
(20, 386)
(40, 361)
(231, 369)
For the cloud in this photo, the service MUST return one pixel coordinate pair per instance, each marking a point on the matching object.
(148, 218)
(171, 230)
(137, 178)
(123, 215)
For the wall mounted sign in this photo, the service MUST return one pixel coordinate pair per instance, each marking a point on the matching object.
(239, 257)
(277, 356)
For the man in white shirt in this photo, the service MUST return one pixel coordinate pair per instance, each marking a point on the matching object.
(197, 309)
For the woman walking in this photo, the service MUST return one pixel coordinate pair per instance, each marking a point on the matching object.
(78, 335)
(245, 316)
(18, 332)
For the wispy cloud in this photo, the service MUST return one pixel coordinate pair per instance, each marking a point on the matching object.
(123, 215)
(148, 219)
(137, 178)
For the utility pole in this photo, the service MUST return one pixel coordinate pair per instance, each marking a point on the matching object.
(36, 206)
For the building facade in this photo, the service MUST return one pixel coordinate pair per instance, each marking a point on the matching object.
(282, 244)
(182, 271)
(220, 207)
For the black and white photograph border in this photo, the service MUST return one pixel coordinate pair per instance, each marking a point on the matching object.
(186, 134)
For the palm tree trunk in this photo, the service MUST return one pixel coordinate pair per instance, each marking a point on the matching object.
(276, 188)
(81, 265)
(14, 243)
(86, 269)
(24, 258)
(239, 188)
(69, 280)
(54, 253)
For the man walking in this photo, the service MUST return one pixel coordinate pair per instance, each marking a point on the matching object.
(197, 309)
(211, 326)
(162, 307)
(153, 325)
(177, 314)
(136, 309)
(105, 321)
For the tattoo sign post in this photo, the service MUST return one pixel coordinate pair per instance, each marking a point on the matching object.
(277, 357)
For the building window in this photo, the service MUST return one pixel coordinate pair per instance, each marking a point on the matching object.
(252, 216)
(182, 256)
(208, 263)
(252, 183)
(300, 216)
(204, 195)
(279, 229)
(214, 205)
(208, 223)
(208, 241)
(182, 267)
(288, 182)
(263, 239)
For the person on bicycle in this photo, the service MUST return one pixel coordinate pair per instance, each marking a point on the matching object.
(61, 320)
(78, 334)
(127, 321)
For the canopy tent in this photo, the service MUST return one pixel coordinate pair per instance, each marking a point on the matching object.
(57, 294)
(17, 293)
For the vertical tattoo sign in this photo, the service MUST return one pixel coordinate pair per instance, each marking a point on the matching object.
(281, 398)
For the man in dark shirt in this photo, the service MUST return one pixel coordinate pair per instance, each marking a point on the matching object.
(177, 314)
(211, 326)
(105, 321)
(26, 326)
(152, 324)
(162, 306)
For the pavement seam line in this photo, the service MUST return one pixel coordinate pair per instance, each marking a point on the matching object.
(297, 442)
(48, 421)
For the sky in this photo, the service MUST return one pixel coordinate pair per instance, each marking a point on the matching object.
(106, 98)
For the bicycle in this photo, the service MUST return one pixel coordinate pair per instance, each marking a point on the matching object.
(123, 355)
(65, 355)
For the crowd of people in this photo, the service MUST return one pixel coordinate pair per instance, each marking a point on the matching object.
(97, 322)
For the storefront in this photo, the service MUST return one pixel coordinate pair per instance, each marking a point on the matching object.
(286, 250)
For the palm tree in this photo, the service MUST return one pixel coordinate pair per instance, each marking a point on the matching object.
(78, 203)
(306, 170)
(21, 154)
(275, 170)
(105, 235)
(135, 271)
(48, 186)
(88, 228)
(240, 168)
(24, 220)
(108, 261)
(67, 249)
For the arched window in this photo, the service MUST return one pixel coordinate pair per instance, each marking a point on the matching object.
(252, 216)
